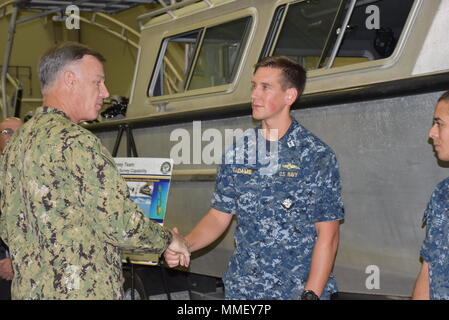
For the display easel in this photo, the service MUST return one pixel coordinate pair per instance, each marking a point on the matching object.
(131, 151)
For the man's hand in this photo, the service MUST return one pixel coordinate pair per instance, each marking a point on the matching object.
(6, 269)
(177, 252)
(172, 258)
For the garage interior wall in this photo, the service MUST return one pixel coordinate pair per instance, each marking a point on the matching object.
(34, 37)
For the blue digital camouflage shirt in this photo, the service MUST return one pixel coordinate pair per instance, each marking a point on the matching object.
(277, 204)
(435, 248)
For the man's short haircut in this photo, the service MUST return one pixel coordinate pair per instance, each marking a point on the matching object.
(58, 57)
(444, 97)
(294, 75)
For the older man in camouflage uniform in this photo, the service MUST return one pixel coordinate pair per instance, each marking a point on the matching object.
(66, 211)
(288, 211)
(433, 279)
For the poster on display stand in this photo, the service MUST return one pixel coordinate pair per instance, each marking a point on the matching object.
(148, 181)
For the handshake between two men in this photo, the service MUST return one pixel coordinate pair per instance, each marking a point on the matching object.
(209, 229)
(177, 253)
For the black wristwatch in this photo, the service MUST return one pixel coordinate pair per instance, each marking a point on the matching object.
(309, 295)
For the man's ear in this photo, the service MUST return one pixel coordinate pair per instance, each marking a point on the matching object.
(69, 78)
(291, 95)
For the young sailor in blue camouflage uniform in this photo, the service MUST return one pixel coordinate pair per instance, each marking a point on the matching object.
(433, 279)
(66, 211)
(288, 211)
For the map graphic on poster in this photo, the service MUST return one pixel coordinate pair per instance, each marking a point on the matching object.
(148, 181)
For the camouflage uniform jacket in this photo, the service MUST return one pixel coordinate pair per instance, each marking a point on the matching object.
(435, 248)
(276, 211)
(66, 213)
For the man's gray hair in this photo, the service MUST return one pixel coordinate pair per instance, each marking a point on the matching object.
(58, 57)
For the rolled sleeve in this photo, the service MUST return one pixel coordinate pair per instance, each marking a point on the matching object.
(224, 198)
(428, 245)
(329, 204)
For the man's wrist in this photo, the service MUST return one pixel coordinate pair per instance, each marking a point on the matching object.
(188, 242)
(309, 295)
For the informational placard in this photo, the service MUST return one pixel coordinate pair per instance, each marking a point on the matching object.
(148, 180)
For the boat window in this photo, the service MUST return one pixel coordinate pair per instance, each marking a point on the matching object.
(221, 50)
(364, 40)
(309, 32)
(174, 64)
(203, 58)
(305, 31)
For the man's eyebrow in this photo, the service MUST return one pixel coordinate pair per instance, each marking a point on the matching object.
(266, 84)
(263, 82)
